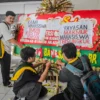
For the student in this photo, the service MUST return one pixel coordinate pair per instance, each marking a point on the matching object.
(28, 83)
(74, 89)
(7, 40)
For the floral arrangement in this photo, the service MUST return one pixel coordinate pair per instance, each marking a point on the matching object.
(54, 6)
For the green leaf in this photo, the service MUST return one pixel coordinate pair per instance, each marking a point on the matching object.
(98, 27)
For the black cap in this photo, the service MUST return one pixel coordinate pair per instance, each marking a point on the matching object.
(8, 13)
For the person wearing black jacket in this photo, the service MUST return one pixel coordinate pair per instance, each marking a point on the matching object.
(74, 89)
(27, 82)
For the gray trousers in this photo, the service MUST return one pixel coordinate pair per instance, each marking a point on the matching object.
(30, 91)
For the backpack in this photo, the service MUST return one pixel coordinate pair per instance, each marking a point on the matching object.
(2, 50)
(90, 80)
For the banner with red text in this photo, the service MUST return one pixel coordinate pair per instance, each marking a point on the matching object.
(82, 28)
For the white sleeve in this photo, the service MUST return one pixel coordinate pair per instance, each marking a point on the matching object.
(5, 32)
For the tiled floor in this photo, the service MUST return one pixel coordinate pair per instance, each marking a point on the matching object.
(7, 93)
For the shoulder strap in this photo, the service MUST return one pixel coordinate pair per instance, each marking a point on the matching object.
(84, 63)
(6, 25)
(1, 37)
(19, 72)
(74, 70)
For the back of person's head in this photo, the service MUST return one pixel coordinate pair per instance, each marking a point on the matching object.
(10, 13)
(27, 52)
(69, 50)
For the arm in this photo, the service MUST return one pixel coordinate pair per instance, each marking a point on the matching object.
(88, 61)
(60, 63)
(64, 75)
(37, 64)
(7, 35)
(44, 74)
(13, 41)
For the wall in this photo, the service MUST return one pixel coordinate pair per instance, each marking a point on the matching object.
(30, 7)
(86, 4)
(19, 7)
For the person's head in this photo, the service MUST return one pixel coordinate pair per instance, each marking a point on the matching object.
(69, 51)
(28, 54)
(10, 17)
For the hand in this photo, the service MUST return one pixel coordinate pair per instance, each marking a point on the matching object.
(59, 67)
(48, 64)
(59, 62)
(44, 61)
(20, 45)
(18, 26)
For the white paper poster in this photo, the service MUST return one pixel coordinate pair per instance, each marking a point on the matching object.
(80, 33)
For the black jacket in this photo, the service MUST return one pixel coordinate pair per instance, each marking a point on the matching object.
(27, 76)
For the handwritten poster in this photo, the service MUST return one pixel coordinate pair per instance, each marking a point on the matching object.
(34, 31)
(80, 33)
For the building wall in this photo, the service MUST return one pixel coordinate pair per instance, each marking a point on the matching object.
(19, 7)
(30, 7)
(86, 4)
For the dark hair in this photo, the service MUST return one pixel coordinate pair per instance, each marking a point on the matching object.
(8, 13)
(69, 50)
(27, 52)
